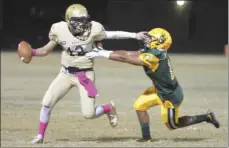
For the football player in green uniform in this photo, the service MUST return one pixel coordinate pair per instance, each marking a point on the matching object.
(166, 90)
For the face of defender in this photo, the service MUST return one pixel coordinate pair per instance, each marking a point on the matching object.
(77, 17)
(160, 39)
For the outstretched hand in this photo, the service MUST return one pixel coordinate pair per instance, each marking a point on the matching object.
(95, 53)
(98, 53)
(142, 35)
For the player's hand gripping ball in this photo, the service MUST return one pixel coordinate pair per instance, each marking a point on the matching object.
(25, 52)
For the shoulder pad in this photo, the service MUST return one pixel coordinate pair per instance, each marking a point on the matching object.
(97, 31)
(97, 27)
(54, 28)
(59, 24)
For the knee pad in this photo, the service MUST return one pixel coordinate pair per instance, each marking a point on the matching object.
(144, 102)
(140, 106)
(48, 100)
(169, 115)
(88, 114)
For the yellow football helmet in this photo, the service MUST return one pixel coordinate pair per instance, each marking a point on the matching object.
(160, 39)
(77, 17)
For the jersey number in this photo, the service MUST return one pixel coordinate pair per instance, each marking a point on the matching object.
(78, 50)
(148, 58)
(171, 70)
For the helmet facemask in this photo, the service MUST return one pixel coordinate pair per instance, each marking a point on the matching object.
(158, 40)
(79, 25)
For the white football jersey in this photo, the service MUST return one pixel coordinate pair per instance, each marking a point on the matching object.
(72, 46)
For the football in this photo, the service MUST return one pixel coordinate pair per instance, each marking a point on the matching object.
(25, 52)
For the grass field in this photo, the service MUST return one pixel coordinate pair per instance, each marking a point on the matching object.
(203, 78)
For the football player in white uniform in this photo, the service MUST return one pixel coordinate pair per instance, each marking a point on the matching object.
(76, 35)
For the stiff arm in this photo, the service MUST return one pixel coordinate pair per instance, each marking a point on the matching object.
(102, 34)
(120, 35)
(131, 57)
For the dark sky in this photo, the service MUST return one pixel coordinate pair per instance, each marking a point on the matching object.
(198, 26)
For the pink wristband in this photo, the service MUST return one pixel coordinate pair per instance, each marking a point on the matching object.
(34, 52)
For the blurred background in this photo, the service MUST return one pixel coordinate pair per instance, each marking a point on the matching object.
(197, 26)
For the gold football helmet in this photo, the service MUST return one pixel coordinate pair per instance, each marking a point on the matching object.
(160, 39)
(77, 17)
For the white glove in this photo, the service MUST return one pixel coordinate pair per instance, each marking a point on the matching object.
(98, 53)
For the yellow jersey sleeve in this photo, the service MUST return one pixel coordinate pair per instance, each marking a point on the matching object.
(151, 60)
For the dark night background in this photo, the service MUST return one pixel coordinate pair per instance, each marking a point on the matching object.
(199, 26)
